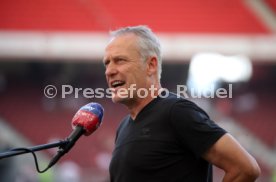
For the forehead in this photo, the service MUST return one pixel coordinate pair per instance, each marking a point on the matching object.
(122, 44)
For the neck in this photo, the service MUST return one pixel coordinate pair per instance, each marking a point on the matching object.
(137, 104)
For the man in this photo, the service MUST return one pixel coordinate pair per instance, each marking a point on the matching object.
(163, 139)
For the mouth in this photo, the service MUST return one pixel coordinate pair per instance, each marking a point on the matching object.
(117, 83)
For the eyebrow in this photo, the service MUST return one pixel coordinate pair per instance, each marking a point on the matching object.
(119, 57)
(115, 58)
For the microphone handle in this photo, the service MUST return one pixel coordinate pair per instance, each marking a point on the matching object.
(73, 137)
(70, 141)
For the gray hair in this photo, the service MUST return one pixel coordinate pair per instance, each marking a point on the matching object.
(148, 42)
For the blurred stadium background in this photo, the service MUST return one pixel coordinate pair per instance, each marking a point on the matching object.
(61, 42)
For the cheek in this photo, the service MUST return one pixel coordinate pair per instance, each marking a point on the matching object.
(140, 78)
(135, 73)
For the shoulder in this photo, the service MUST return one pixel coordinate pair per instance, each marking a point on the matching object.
(193, 126)
(178, 103)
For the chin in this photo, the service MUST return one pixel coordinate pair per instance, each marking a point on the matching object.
(117, 99)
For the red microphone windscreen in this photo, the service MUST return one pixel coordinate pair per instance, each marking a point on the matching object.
(89, 117)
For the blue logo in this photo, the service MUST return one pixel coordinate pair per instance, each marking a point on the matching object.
(94, 108)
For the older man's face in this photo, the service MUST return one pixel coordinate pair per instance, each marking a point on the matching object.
(124, 67)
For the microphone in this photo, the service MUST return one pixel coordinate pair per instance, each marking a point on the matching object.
(87, 119)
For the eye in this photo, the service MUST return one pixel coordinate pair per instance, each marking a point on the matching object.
(120, 60)
(106, 62)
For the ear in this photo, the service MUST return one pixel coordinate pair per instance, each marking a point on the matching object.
(152, 66)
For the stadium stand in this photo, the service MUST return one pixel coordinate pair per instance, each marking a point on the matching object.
(271, 4)
(216, 16)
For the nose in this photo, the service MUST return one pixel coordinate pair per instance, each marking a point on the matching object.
(110, 70)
